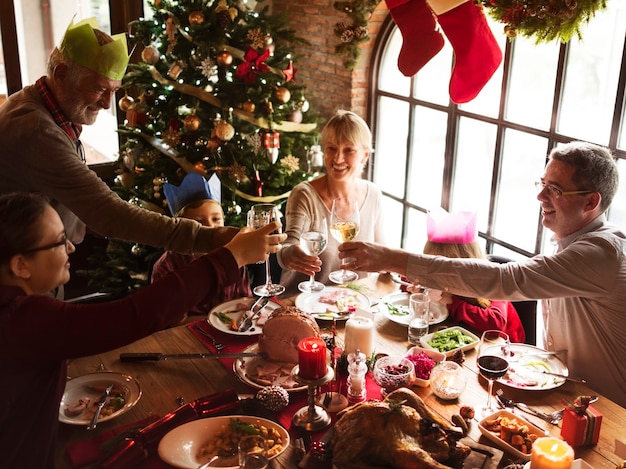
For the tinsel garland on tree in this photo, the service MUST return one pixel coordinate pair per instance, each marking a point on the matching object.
(215, 92)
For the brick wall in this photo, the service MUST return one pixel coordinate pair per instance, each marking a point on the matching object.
(329, 85)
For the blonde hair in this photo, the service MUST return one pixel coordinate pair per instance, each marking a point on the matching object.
(468, 251)
(347, 127)
(197, 204)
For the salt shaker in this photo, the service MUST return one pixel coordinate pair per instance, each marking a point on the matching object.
(357, 368)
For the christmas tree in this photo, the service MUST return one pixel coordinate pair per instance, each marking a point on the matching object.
(216, 93)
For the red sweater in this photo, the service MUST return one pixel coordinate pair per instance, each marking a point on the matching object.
(499, 315)
(38, 334)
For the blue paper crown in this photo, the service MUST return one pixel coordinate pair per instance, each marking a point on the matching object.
(193, 188)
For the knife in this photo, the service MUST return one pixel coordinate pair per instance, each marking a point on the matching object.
(157, 356)
(247, 322)
(99, 406)
(558, 375)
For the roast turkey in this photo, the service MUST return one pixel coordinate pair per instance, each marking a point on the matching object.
(398, 433)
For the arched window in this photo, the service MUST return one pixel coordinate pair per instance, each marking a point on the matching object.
(485, 155)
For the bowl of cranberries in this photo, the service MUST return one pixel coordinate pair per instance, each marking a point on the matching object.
(391, 373)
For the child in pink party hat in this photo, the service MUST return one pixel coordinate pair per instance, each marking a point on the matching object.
(455, 235)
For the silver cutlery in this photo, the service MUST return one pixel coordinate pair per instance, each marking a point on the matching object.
(158, 356)
(554, 418)
(248, 321)
(244, 316)
(568, 378)
(218, 346)
(99, 406)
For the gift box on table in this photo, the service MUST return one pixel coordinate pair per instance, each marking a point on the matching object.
(581, 426)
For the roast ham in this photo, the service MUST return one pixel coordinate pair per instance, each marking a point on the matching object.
(284, 328)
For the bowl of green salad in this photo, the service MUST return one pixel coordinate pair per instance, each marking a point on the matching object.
(450, 340)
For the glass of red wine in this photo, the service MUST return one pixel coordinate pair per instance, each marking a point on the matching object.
(492, 361)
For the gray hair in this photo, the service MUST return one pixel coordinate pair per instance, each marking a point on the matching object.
(595, 168)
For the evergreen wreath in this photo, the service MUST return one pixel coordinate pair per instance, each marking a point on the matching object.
(545, 20)
(354, 33)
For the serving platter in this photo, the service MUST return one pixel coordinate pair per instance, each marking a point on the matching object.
(181, 446)
(259, 372)
(448, 353)
(395, 307)
(90, 387)
(332, 302)
(235, 309)
(526, 366)
(495, 437)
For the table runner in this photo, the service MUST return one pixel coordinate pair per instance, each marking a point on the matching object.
(297, 400)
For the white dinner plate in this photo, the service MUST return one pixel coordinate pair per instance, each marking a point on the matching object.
(395, 307)
(428, 337)
(321, 305)
(235, 309)
(495, 436)
(278, 374)
(91, 386)
(181, 446)
(525, 369)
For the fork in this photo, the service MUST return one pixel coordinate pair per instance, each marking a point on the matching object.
(554, 418)
(218, 345)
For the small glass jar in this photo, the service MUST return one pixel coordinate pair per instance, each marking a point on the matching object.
(447, 380)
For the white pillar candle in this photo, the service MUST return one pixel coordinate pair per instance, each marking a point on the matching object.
(359, 334)
(551, 453)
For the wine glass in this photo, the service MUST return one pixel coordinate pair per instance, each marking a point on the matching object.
(313, 242)
(492, 361)
(344, 226)
(259, 216)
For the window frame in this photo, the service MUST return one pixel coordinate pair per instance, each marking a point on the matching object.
(454, 115)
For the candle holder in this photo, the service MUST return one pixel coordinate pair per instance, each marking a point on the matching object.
(312, 417)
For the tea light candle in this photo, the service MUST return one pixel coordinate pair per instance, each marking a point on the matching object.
(359, 334)
(312, 358)
(551, 453)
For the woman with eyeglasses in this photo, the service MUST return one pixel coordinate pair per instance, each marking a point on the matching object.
(39, 333)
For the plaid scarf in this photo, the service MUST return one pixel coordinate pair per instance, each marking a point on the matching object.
(72, 130)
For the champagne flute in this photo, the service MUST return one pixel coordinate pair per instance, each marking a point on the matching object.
(313, 242)
(259, 216)
(344, 226)
(492, 361)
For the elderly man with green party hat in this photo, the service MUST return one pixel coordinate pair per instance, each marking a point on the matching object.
(41, 151)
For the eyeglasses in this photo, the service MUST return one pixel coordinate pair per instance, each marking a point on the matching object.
(62, 242)
(555, 191)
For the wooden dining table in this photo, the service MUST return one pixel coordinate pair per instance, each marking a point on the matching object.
(165, 384)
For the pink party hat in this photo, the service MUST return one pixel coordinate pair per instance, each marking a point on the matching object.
(451, 228)
(193, 188)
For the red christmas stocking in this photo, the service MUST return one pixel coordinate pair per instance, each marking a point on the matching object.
(420, 39)
(476, 51)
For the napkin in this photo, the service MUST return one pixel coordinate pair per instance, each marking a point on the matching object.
(88, 451)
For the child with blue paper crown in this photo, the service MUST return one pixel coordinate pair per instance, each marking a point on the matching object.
(455, 235)
(198, 199)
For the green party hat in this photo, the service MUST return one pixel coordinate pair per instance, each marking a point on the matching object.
(81, 46)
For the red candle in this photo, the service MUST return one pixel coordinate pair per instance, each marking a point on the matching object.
(312, 358)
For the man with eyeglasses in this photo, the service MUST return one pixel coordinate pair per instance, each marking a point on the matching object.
(41, 151)
(582, 284)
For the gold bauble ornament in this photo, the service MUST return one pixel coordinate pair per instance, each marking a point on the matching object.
(248, 106)
(127, 179)
(224, 130)
(196, 18)
(282, 94)
(125, 102)
(150, 55)
(224, 58)
(191, 122)
(304, 105)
